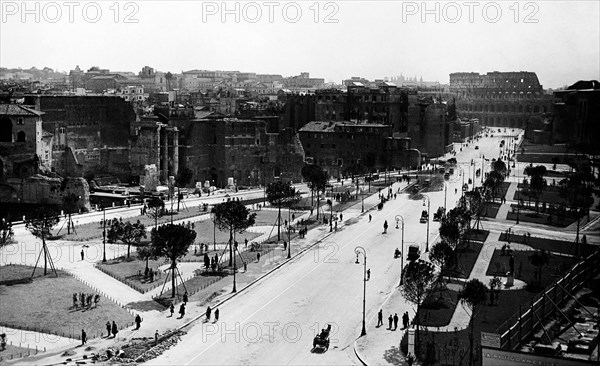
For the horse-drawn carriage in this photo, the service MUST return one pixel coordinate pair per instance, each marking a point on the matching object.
(321, 340)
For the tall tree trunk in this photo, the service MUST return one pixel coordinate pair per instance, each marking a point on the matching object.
(279, 222)
(318, 200)
(128, 249)
(173, 269)
(230, 247)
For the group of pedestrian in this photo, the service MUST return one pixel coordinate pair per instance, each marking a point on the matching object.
(393, 320)
(302, 232)
(211, 262)
(111, 329)
(209, 313)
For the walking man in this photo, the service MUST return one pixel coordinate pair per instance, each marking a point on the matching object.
(368, 274)
(108, 328)
(138, 321)
(396, 321)
(216, 315)
(83, 337)
(370, 217)
(114, 329)
(405, 320)
(82, 254)
(156, 337)
(390, 321)
(380, 318)
(182, 311)
(208, 311)
(185, 298)
(172, 309)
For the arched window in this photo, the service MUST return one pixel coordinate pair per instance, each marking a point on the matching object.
(6, 130)
(21, 136)
(536, 109)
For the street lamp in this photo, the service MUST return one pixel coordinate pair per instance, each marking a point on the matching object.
(428, 211)
(401, 218)
(104, 233)
(330, 203)
(235, 247)
(360, 250)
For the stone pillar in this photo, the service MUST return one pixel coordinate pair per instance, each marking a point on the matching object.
(411, 341)
(175, 154)
(164, 160)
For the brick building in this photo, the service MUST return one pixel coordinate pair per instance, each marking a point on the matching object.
(576, 114)
(385, 105)
(220, 148)
(342, 148)
(500, 99)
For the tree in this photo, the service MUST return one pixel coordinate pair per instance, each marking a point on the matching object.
(316, 180)
(172, 242)
(454, 225)
(70, 206)
(493, 182)
(500, 167)
(40, 223)
(476, 203)
(442, 255)
(156, 208)
(6, 233)
(539, 259)
(146, 252)
(472, 297)
(537, 183)
(419, 278)
(495, 285)
(234, 217)
(281, 194)
(127, 232)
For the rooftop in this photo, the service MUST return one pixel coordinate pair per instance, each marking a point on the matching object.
(18, 110)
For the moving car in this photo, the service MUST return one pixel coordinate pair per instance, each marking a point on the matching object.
(413, 252)
(424, 216)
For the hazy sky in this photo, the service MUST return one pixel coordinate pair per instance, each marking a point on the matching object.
(560, 40)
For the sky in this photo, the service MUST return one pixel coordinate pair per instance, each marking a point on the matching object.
(335, 40)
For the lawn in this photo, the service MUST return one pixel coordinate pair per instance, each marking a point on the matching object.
(552, 245)
(45, 305)
(524, 271)
(192, 286)
(438, 308)
(465, 262)
(449, 347)
(14, 352)
(550, 195)
(540, 218)
(491, 210)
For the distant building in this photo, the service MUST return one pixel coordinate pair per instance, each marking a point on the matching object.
(500, 99)
(303, 82)
(576, 115)
(345, 148)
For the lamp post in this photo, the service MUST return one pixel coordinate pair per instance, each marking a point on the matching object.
(234, 263)
(445, 193)
(360, 250)
(289, 239)
(428, 211)
(401, 218)
(518, 195)
(330, 203)
(104, 233)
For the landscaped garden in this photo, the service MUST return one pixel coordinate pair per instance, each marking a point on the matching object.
(46, 304)
(551, 245)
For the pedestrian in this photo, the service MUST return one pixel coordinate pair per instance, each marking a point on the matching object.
(114, 329)
(258, 256)
(245, 242)
(395, 321)
(208, 311)
(368, 274)
(380, 318)
(216, 315)
(172, 309)
(108, 328)
(82, 254)
(156, 337)
(138, 321)
(370, 217)
(185, 298)
(385, 226)
(335, 226)
(341, 216)
(284, 245)
(181, 311)
(83, 337)
(405, 320)
(390, 321)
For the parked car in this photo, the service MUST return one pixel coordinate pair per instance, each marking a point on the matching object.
(413, 253)
(447, 176)
(424, 217)
(476, 147)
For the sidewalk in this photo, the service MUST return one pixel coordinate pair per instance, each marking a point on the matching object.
(382, 346)
(213, 295)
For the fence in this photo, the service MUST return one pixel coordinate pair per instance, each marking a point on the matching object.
(522, 325)
(20, 353)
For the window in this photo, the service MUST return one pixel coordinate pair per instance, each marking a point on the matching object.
(20, 121)
(20, 136)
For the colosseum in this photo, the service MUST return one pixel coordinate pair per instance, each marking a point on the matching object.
(500, 99)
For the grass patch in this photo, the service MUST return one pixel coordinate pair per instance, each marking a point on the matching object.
(13, 352)
(552, 245)
(46, 305)
(465, 261)
(478, 235)
(438, 308)
(525, 271)
(192, 286)
(541, 218)
(491, 210)
(131, 272)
